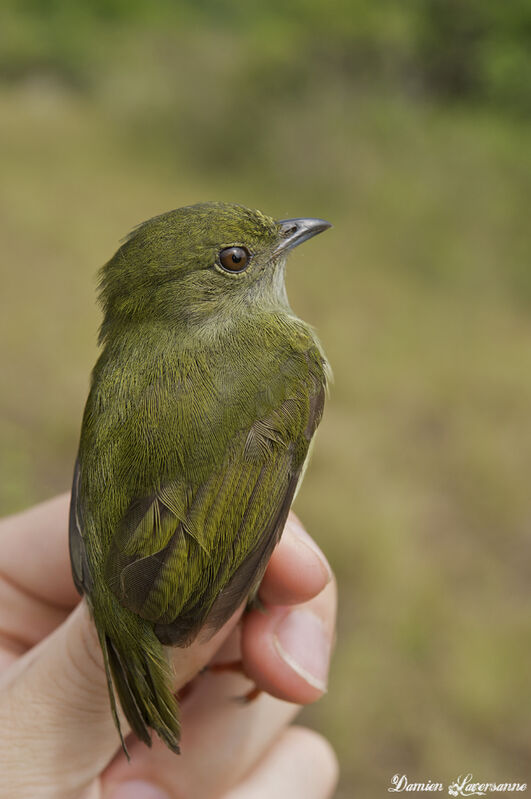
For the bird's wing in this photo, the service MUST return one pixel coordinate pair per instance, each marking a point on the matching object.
(186, 554)
(78, 553)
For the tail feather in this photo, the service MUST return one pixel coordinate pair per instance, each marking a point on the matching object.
(138, 672)
(108, 673)
(120, 683)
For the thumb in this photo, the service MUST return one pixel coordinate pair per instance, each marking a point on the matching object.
(54, 704)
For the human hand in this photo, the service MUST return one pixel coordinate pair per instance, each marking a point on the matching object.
(57, 736)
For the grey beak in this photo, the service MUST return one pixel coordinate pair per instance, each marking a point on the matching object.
(295, 231)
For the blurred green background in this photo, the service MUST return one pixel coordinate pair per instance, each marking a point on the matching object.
(408, 125)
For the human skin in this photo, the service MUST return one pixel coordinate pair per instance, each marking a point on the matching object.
(57, 736)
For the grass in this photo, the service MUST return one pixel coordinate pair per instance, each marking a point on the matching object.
(418, 490)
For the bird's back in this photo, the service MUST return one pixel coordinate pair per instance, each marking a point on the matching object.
(190, 455)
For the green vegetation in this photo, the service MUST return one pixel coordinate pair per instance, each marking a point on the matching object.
(407, 126)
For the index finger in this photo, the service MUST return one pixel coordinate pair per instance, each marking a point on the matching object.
(34, 552)
(298, 569)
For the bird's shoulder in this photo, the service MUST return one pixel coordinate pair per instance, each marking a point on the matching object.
(160, 382)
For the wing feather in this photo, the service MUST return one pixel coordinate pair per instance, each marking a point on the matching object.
(191, 554)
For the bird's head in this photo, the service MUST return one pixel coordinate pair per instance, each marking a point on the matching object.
(201, 262)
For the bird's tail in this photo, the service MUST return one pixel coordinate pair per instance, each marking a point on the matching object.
(138, 671)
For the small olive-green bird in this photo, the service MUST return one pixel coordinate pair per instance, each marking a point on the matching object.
(195, 435)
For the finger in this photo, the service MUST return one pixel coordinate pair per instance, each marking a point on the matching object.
(301, 765)
(34, 553)
(57, 695)
(24, 621)
(297, 571)
(286, 650)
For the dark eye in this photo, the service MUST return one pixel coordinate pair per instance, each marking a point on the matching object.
(234, 259)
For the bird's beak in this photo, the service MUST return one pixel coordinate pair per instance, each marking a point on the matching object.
(295, 231)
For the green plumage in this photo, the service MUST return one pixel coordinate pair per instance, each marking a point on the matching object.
(201, 411)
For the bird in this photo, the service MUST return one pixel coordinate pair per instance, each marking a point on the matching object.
(196, 433)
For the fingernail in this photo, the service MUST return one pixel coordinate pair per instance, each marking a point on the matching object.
(304, 644)
(307, 542)
(138, 789)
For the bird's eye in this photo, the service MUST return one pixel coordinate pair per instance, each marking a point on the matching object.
(234, 259)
